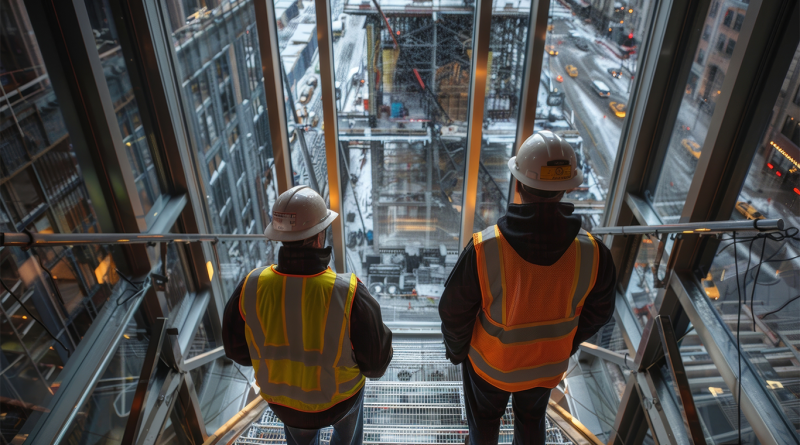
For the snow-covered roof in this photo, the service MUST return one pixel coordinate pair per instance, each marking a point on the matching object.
(303, 33)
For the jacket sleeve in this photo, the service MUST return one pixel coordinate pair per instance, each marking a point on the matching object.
(459, 305)
(233, 338)
(599, 305)
(371, 339)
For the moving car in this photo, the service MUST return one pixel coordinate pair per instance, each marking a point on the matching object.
(601, 88)
(616, 73)
(692, 146)
(709, 287)
(618, 108)
(748, 210)
(307, 95)
(582, 45)
(571, 70)
(551, 49)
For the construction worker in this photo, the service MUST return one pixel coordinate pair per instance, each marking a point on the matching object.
(310, 334)
(524, 294)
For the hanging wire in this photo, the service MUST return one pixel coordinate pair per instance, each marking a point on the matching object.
(69, 353)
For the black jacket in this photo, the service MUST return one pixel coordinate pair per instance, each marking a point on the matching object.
(371, 339)
(540, 234)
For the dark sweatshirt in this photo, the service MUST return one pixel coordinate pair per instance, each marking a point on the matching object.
(371, 339)
(539, 233)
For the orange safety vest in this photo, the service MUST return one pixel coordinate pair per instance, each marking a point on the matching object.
(523, 336)
(298, 332)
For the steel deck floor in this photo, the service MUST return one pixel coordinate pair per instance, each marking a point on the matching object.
(418, 401)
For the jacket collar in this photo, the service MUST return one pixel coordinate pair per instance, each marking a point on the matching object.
(541, 232)
(303, 260)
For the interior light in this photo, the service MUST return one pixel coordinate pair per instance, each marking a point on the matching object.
(774, 384)
(609, 29)
(24, 317)
(621, 21)
(127, 337)
(715, 391)
(210, 268)
(630, 11)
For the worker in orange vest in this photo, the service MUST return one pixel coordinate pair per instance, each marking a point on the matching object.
(524, 294)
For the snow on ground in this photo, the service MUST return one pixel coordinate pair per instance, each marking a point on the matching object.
(606, 133)
(361, 167)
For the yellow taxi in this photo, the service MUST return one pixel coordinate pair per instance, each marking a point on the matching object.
(618, 108)
(571, 70)
(748, 211)
(692, 146)
(551, 49)
(711, 289)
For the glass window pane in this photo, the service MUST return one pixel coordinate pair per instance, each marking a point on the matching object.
(42, 190)
(402, 110)
(697, 106)
(138, 147)
(218, 64)
(589, 67)
(768, 289)
(106, 411)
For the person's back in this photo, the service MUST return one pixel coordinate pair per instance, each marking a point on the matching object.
(310, 334)
(524, 294)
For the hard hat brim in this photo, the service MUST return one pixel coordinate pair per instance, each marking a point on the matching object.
(277, 235)
(551, 186)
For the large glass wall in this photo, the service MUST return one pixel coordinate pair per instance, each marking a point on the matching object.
(585, 86)
(710, 63)
(402, 83)
(219, 67)
(755, 282)
(49, 297)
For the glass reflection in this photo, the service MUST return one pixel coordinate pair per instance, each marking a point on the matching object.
(720, 33)
(767, 292)
(218, 63)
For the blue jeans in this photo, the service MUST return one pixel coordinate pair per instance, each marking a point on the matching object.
(349, 430)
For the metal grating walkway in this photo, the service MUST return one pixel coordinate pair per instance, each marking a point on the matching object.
(418, 401)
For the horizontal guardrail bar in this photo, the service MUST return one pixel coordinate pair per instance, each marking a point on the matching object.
(14, 239)
(702, 228)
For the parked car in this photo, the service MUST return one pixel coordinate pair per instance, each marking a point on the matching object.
(313, 118)
(306, 96)
(582, 45)
(312, 82)
(748, 210)
(601, 88)
(571, 70)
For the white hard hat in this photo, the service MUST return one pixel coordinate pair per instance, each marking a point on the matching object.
(299, 213)
(546, 162)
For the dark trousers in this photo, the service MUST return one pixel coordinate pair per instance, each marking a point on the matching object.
(349, 430)
(486, 404)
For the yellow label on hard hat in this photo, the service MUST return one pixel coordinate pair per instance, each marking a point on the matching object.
(556, 173)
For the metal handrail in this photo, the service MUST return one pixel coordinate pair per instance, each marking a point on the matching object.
(702, 228)
(27, 239)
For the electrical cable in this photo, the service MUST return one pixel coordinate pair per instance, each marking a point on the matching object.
(69, 353)
(52, 280)
(738, 344)
(755, 282)
(762, 316)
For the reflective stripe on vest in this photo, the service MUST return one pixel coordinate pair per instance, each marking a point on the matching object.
(298, 332)
(513, 355)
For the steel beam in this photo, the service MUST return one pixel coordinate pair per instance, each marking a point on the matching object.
(477, 96)
(329, 117)
(534, 57)
(157, 335)
(273, 90)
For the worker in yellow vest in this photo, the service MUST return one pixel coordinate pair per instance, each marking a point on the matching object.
(524, 294)
(310, 334)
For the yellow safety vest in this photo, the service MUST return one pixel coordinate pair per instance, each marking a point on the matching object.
(298, 332)
(523, 336)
